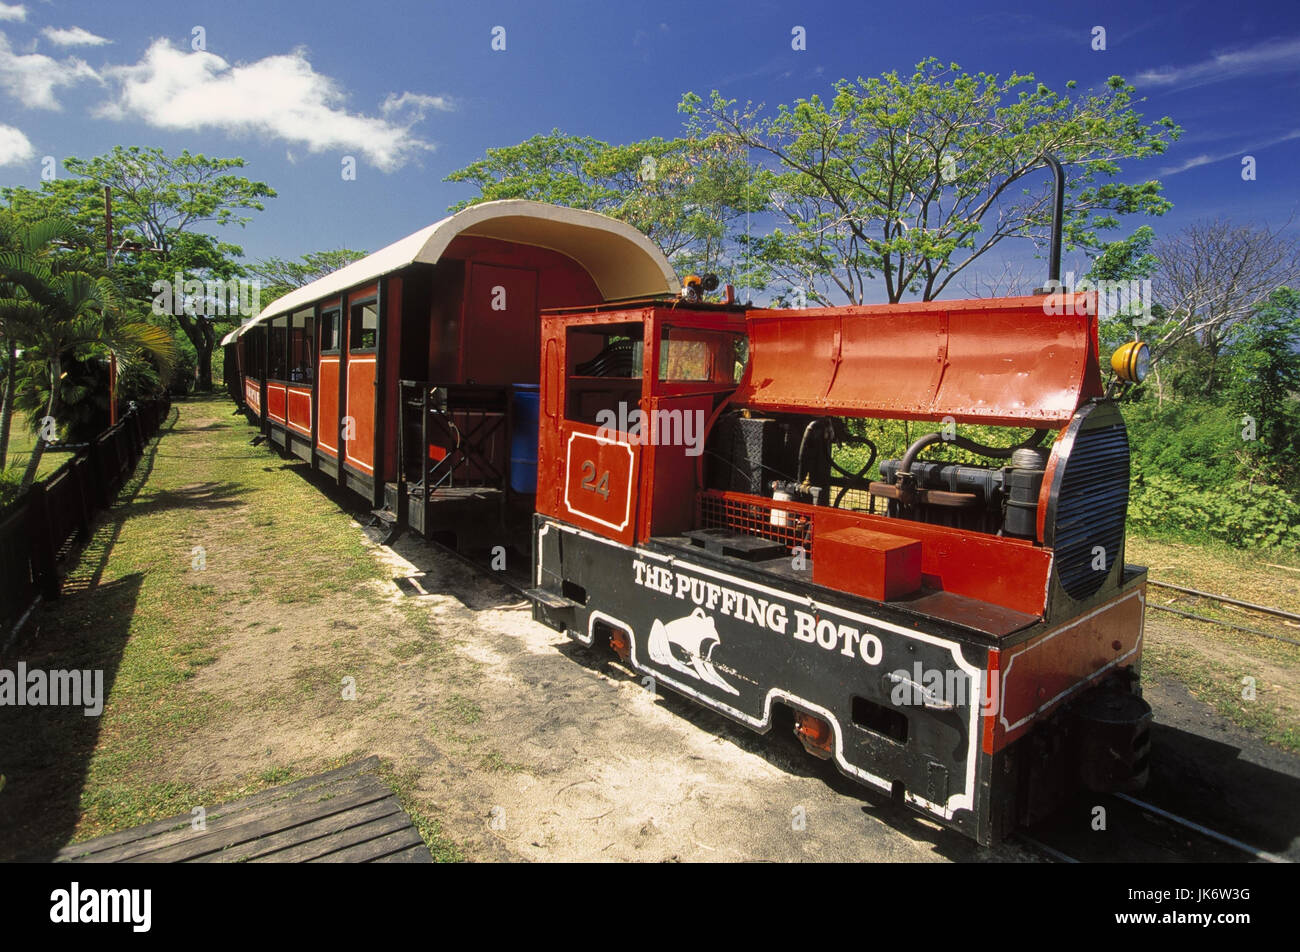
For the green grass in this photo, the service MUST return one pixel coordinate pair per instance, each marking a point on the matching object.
(1211, 660)
(403, 783)
(1220, 685)
(21, 443)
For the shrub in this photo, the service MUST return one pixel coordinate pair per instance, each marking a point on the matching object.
(1241, 514)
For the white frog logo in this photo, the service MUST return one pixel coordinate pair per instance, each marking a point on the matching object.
(696, 637)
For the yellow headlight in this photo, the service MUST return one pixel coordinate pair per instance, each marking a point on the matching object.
(1131, 362)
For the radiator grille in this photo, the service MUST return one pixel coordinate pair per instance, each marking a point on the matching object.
(1091, 507)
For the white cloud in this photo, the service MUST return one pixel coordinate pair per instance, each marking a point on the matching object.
(1195, 163)
(15, 12)
(14, 146)
(33, 78)
(1269, 57)
(279, 97)
(73, 36)
(412, 107)
(1206, 158)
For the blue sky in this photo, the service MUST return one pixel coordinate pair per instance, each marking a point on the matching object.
(414, 90)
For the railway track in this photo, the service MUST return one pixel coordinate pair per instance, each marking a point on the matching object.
(1148, 833)
(1287, 617)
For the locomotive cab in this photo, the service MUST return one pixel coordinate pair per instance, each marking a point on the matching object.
(627, 396)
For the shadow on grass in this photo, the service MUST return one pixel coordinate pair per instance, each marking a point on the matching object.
(45, 752)
(210, 495)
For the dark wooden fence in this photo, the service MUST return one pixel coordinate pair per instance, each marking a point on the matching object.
(40, 528)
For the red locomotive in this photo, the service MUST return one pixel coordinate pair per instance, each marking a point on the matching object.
(964, 637)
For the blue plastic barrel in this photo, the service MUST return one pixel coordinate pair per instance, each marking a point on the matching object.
(523, 441)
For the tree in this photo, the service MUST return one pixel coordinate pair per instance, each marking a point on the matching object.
(22, 248)
(159, 205)
(280, 276)
(1124, 264)
(1265, 380)
(686, 195)
(71, 308)
(1212, 275)
(911, 180)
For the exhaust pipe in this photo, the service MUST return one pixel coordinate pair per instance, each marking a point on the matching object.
(1058, 225)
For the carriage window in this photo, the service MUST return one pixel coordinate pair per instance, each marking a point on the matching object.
(604, 370)
(252, 344)
(329, 331)
(695, 356)
(364, 327)
(302, 350)
(276, 348)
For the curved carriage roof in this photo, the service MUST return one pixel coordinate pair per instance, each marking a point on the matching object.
(622, 261)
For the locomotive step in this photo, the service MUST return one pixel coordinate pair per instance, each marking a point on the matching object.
(549, 599)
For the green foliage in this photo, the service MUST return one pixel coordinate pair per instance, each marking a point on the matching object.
(159, 202)
(62, 307)
(1194, 478)
(10, 482)
(910, 179)
(1242, 513)
(1125, 262)
(1197, 442)
(280, 276)
(1265, 381)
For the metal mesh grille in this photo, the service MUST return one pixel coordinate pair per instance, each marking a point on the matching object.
(858, 500)
(787, 523)
(1091, 507)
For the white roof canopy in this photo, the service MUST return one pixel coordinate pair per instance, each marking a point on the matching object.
(622, 261)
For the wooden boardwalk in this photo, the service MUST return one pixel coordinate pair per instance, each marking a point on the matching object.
(344, 816)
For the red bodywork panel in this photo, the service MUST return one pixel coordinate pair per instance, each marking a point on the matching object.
(253, 394)
(299, 415)
(275, 402)
(485, 329)
(1002, 361)
(359, 394)
(1036, 676)
(327, 418)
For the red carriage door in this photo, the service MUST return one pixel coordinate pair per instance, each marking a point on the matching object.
(360, 394)
(501, 336)
(327, 380)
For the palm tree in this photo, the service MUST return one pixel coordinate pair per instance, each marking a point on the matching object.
(64, 303)
(21, 247)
